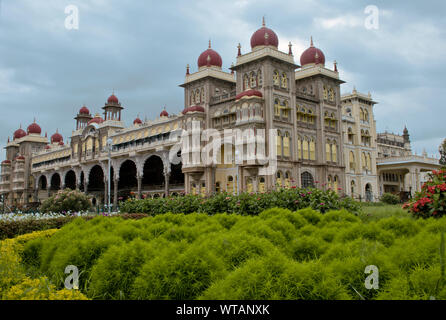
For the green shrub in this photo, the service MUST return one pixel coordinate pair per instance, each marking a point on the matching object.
(65, 201)
(390, 198)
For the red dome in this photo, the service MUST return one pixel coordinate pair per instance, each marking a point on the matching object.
(113, 99)
(312, 55)
(97, 119)
(84, 110)
(193, 109)
(61, 143)
(249, 93)
(56, 138)
(20, 158)
(210, 58)
(47, 147)
(264, 37)
(6, 162)
(164, 113)
(137, 121)
(34, 128)
(19, 133)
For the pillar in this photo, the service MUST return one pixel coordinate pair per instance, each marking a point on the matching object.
(105, 191)
(139, 187)
(166, 184)
(48, 190)
(115, 193)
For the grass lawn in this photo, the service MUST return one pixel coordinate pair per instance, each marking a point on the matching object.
(375, 213)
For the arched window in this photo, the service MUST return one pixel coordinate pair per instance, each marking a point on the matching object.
(332, 95)
(352, 188)
(352, 161)
(202, 96)
(259, 78)
(350, 135)
(279, 144)
(330, 182)
(279, 177)
(286, 110)
(286, 145)
(246, 82)
(277, 108)
(366, 115)
(328, 151)
(307, 180)
(364, 161)
(325, 93)
(369, 162)
(299, 147)
(197, 96)
(276, 80)
(218, 187)
(336, 184)
(305, 148)
(287, 179)
(284, 81)
(334, 152)
(262, 184)
(230, 185)
(361, 114)
(310, 116)
(252, 79)
(312, 150)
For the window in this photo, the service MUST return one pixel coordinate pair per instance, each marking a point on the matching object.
(246, 82)
(285, 111)
(202, 96)
(352, 187)
(336, 184)
(253, 80)
(328, 151)
(279, 179)
(369, 162)
(276, 78)
(286, 145)
(277, 108)
(299, 147)
(330, 182)
(352, 161)
(334, 153)
(279, 144)
(364, 161)
(259, 78)
(312, 150)
(361, 114)
(325, 93)
(306, 145)
(197, 96)
(307, 180)
(284, 81)
(366, 115)
(350, 135)
(332, 95)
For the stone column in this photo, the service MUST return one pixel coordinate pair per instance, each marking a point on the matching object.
(48, 191)
(115, 193)
(105, 191)
(139, 187)
(36, 195)
(166, 184)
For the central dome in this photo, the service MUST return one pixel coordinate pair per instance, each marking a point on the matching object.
(56, 138)
(210, 58)
(264, 37)
(34, 128)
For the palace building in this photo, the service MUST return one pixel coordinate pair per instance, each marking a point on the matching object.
(321, 138)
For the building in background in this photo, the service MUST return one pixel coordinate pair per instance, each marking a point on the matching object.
(322, 140)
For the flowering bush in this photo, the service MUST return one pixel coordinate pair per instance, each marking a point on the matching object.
(431, 201)
(14, 282)
(66, 200)
(244, 204)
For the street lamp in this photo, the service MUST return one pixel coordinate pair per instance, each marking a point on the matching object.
(109, 147)
(237, 154)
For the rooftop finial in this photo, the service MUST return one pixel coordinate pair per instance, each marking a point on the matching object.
(209, 43)
(311, 44)
(290, 51)
(335, 66)
(187, 69)
(263, 21)
(239, 47)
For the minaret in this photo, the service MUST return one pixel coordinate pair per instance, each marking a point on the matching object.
(112, 109)
(82, 118)
(406, 137)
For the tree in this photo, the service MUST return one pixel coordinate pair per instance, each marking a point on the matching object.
(443, 153)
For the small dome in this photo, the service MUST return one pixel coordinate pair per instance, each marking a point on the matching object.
(193, 109)
(249, 93)
(56, 138)
(84, 110)
(19, 133)
(137, 121)
(264, 37)
(210, 58)
(47, 147)
(164, 113)
(20, 158)
(113, 99)
(97, 119)
(6, 162)
(61, 143)
(312, 55)
(34, 128)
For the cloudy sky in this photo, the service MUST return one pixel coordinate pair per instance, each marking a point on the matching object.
(141, 49)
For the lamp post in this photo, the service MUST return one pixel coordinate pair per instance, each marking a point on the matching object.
(109, 146)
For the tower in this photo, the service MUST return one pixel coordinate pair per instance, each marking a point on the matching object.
(112, 109)
(82, 118)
